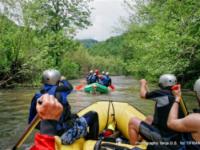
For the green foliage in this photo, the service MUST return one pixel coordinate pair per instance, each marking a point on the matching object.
(56, 15)
(43, 42)
(15, 44)
(88, 43)
(163, 37)
(112, 46)
(69, 69)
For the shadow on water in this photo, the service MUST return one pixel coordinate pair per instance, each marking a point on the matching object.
(14, 106)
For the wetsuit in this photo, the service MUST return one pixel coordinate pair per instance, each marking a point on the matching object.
(88, 78)
(105, 80)
(45, 140)
(70, 127)
(60, 92)
(159, 131)
(94, 78)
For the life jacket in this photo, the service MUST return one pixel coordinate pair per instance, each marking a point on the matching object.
(61, 93)
(105, 80)
(88, 78)
(161, 113)
(93, 78)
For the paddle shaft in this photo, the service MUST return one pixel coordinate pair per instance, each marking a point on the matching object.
(184, 109)
(27, 132)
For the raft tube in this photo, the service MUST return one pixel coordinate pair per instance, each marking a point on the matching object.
(96, 87)
(105, 109)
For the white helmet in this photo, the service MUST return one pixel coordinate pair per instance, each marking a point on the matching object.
(167, 80)
(103, 72)
(197, 87)
(107, 73)
(91, 71)
(51, 76)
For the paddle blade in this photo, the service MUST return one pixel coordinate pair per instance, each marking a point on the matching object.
(176, 87)
(79, 87)
(112, 87)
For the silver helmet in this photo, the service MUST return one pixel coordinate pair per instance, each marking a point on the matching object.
(51, 76)
(167, 80)
(197, 87)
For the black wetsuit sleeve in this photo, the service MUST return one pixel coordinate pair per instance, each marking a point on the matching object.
(110, 82)
(48, 127)
(70, 87)
(67, 86)
(154, 94)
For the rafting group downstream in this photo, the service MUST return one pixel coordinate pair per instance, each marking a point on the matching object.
(107, 125)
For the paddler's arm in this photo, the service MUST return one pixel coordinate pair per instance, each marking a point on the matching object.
(49, 110)
(189, 123)
(143, 88)
(64, 85)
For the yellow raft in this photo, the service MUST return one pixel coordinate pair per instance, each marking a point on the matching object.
(122, 111)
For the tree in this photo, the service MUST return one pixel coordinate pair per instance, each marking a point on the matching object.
(56, 15)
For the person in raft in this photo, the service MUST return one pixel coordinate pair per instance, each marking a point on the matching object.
(155, 129)
(89, 76)
(95, 77)
(53, 84)
(69, 126)
(105, 80)
(49, 110)
(190, 124)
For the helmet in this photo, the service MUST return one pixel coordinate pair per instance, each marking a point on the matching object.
(91, 71)
(167, 80)
(197, 87)
(97, 71)
(107, 73)
(51, 76)
(103, 72)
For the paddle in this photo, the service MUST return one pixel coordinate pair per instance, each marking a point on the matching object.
(27, 132)
(79, 87)
(112, 87)
(182, 104)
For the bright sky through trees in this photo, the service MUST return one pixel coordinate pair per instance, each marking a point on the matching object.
(105, 15)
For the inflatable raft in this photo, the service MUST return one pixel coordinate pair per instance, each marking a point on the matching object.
(96, 87)
(106, 110)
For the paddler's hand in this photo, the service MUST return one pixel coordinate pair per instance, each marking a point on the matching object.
(176, 89)
(49, 108)
(63, 78)
(143, 82)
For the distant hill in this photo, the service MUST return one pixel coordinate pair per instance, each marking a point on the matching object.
(88, 43)
(112, 46)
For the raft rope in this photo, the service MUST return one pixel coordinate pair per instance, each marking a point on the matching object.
(113, 115)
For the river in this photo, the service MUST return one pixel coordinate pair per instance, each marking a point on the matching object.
(14, 106)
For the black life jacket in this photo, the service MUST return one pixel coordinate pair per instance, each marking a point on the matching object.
(161, 113)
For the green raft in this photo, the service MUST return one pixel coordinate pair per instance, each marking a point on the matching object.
(96, 87)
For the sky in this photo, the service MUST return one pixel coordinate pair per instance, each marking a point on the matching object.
(105, 15)
(14, 13)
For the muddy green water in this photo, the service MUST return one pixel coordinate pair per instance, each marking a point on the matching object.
(14, 106)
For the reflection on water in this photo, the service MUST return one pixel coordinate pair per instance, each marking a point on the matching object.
(14, 106)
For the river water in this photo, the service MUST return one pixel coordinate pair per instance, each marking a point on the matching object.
(15, 103)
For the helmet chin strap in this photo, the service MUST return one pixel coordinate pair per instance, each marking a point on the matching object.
(164, 88)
